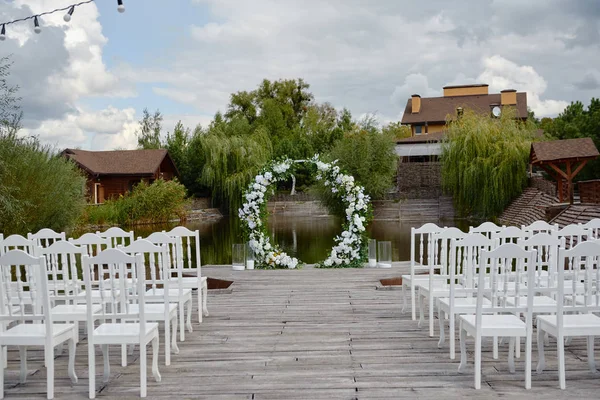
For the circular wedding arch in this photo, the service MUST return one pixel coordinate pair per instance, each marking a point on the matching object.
(349, 249)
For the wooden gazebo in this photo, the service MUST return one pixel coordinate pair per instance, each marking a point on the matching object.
(562, 160)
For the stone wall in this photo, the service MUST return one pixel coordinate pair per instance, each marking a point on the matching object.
(419, 180)
(544, 185)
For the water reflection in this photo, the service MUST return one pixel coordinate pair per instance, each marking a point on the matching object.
(308, 238)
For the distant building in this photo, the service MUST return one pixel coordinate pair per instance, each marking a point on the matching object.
(428, 116)
(113, 173)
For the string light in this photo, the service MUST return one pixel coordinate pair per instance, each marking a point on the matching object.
(67, 17)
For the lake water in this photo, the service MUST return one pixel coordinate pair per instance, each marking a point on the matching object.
(308, 238)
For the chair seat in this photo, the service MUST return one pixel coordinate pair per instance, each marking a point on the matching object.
(495, 325)
(418, 277)
(157, 295)
(96, 294)
(154, 311)
(541, 304)
(190, 282)
(73, 312)
(126, 332)
(35, 334)
(462, 305)
(573, 324)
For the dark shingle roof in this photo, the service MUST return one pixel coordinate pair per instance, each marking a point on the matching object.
(556, 150)
(118, 162)
(435, 109)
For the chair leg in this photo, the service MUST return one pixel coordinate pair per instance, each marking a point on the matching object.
(420, 299)
(205, 298)
(452, 330)
(105, 357)
(431, 329)
(71, 369)
(92, 371)
(463, 351)
(511, 355)
(413, 300)
(49, 357)
(403, 309)
(155, 372)
(541, 335)
(181, 322)
(23, 357)
(441, 323)
(590, 353)
(123, 355)
(174, 335)
(495, 348)
(143, 368)
(167, 342)
(528, 351)
(560, 344)
(477, 362)
(188, 321)
(2, 363)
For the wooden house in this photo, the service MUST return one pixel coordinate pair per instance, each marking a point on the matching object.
(113, 173)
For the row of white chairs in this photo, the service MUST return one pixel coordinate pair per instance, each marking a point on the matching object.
(488, 279)
(141, 282)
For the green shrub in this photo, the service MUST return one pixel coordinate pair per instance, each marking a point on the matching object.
(160, 201)
(38, 188)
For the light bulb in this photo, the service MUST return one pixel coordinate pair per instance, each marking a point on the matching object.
(36, 25)
(120, 7)
(3, 33)
(67, 16)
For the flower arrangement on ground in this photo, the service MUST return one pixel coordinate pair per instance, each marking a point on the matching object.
(350, 246)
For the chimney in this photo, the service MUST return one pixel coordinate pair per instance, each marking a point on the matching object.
(416, 103)
(508, 97)
(480, 89)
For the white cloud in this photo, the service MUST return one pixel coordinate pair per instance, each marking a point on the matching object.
(501, 74)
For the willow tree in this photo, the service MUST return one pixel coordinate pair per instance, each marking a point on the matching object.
(234, 153)
(484, 162)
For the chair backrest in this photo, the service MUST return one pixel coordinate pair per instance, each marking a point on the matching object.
(158, 262)
(92, 243)
(18, 242)
(422, 250)
(442, 242)
(188, 248)
(571, 235)
(45, 237)
(117, 236)
(546, 247)
(510, 234)
(593, 226)
(121, 285)
(23, 282)
(486, 229)
(465, 255)
(539, 227)
(580, 293)
(499, 268)
(63, 274)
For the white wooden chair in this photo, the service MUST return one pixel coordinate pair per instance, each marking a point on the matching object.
(465, 257)
(189, 262)
(92, 243)
(18, 242)
(45, 237)
(575, 310)
(539, 227)
(120, 331)
(486, 229)
(421, 240)
(30, 275)
(437, 285)
(162, 310)
(510, 234)
(177, 293)
(593, 226)
(571, 235)
(117, 237)
(504, 322)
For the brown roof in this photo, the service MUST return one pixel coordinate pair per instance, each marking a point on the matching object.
(557, 150)
(423, 138)
(436, 109)
(118, 162)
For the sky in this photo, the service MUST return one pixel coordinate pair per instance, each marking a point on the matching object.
(85, 83)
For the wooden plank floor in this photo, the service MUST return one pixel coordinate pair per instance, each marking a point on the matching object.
(309, 334)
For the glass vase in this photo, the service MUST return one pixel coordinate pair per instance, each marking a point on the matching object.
(385, 255)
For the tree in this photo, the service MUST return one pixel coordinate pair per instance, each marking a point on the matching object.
(577, 122)
(484, 162)
(10, 110)
(149, 132)
(397, 130)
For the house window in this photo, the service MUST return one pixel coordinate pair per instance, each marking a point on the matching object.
(418, 129)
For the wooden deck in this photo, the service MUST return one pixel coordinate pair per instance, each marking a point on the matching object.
(309, 334)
